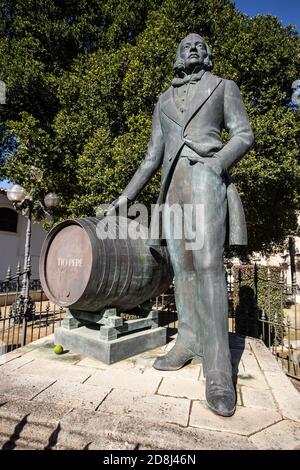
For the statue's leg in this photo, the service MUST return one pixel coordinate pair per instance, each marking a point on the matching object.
(189, 342)
(209, 190)
(186, 297)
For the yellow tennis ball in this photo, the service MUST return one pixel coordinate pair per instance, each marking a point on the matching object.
(58, 349)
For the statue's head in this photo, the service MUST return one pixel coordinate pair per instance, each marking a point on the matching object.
(193, 54)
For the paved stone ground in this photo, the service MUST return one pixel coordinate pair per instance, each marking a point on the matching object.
(73, 402)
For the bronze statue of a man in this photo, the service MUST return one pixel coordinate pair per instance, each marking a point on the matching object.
(186, 139)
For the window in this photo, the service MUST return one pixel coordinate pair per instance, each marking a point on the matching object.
(8, 220)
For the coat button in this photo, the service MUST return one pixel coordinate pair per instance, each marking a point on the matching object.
(170, 158)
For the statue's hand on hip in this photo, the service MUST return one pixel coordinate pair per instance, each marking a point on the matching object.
(215, 165)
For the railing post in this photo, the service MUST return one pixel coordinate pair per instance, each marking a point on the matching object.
(292, 251)
(281, 284)
(230, 279)
(263, 319)
(275, 333)
(256, 282)
(288, 324)
(8, 274)
(7, 281)
(240, 278)
(26, 278)
(269, 292)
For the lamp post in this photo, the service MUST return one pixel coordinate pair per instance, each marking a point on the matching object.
(23, 201)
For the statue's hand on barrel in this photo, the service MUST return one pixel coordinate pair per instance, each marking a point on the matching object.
(115, 207)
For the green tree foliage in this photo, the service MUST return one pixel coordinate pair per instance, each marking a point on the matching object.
(83, 78)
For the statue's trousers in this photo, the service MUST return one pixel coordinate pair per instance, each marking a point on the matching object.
(197, 258)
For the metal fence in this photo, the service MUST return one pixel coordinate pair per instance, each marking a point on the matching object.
(12, 286)
(277, 325)
(279, 328)
(25, 318)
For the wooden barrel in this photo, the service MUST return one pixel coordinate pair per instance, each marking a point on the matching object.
(87, 265)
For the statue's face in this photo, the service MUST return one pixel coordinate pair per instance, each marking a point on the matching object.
(193, 52)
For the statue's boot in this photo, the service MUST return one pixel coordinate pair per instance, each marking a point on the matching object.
(220, 393)
(174, 359)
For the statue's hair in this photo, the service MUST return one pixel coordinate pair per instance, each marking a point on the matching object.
(179, 66)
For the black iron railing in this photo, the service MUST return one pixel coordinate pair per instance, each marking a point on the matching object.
(277, 322)
(12, 286)
(25, 318)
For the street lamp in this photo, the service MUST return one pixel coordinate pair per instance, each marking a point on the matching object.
(51, 200)
(16, 194)
(23, 202)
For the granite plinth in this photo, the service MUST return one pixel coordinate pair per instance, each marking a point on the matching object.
(87, 341)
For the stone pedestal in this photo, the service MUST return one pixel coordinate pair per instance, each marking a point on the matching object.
(88, 342)
(106, 336)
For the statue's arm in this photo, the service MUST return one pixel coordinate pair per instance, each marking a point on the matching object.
(236, 121)
(151, 162)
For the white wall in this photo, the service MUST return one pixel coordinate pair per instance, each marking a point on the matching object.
(12, 245)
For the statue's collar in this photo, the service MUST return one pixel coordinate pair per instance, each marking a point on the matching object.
(194, 77)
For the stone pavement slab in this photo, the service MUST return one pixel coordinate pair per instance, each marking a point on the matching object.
(127, 380)
(263, 399)
(86, 422)
(41, 343)
(25, 386)
(244, 422)
(27, 425)
(46, 353)
(74, 394)
(11, 356)
(250, 363)
(16, 408)
(286, 396)
(56, 370)
(110, 444)
(190, 371)
(253, 380)
(73, 402)
(281, 436)
(90, 362)
(152, 434)
(184, 388)
(83, 429)
(267, 361)
(160, 408)
(15, 364)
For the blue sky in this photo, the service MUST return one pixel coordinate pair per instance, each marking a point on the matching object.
(288, 11)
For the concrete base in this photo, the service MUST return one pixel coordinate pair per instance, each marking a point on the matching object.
(86, 341)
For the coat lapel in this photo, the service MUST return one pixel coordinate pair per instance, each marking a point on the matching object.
(169, 108)
(205, 88)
